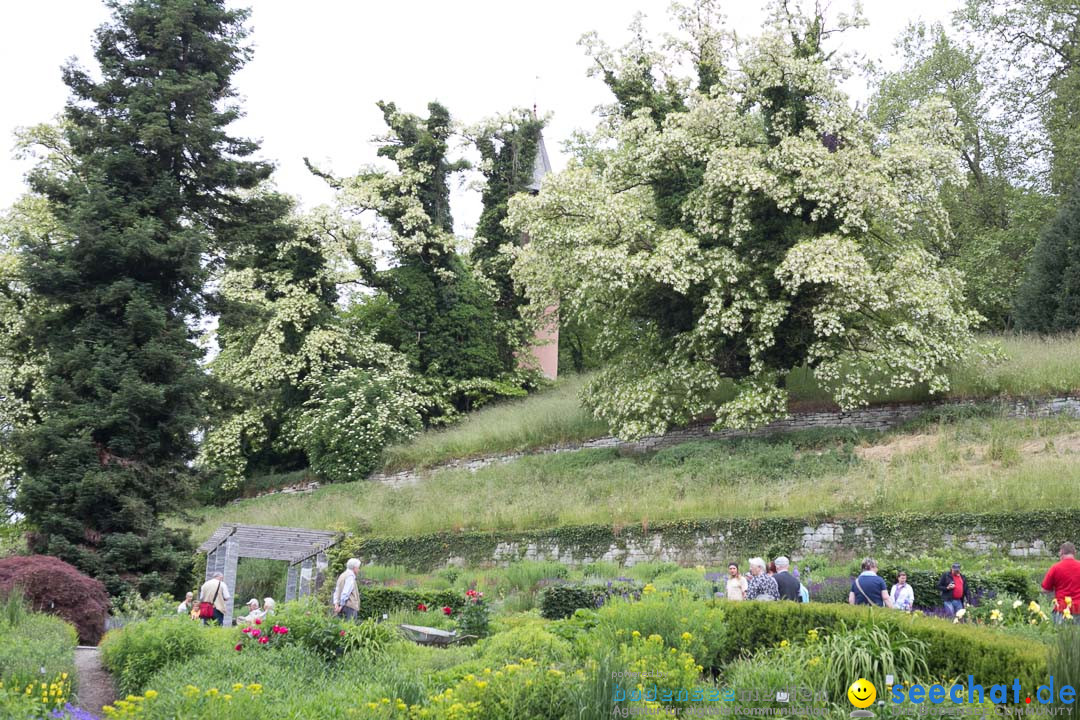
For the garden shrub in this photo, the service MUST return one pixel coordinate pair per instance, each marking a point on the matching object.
(312, 627)
(872, 652)
(375, 600)
(757, 678)
(133, 654)
(560, 601)
(516, 691)
(675, 671)
(34, 648)
(672, 616)
(952, 650)
(52, 586)
(529, 641)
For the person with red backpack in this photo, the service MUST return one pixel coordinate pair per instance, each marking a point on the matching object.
(213, 596)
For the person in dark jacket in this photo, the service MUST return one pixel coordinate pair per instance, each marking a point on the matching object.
(787, 583)
(955, 589)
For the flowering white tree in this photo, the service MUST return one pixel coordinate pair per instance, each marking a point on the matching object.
(724, 231)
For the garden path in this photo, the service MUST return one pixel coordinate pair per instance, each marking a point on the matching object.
(95, 684)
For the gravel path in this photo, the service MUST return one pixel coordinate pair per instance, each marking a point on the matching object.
(95, 685)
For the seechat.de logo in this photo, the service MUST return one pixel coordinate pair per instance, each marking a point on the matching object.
(862, 695)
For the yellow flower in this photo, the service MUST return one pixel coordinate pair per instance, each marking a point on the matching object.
(1033, 606)
(687, 636)
(649, 588)
(784, 643)
(481, 684)
(635, 634)
(237, 686)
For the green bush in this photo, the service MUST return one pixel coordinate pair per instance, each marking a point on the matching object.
(560, 601)
(872, 652)
(672, 616)
(375, 600)
(313, 628)
(35, 648)
(952, 650)
(528, 641)
(136, 652)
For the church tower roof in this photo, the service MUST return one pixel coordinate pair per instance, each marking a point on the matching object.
(541, 166)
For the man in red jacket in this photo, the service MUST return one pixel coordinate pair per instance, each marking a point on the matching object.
(1063, 579)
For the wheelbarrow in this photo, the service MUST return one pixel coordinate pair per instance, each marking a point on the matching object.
(433, 636)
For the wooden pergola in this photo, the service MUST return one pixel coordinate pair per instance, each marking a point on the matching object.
(304, 550)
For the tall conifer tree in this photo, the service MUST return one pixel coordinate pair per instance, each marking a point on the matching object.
(152, 174)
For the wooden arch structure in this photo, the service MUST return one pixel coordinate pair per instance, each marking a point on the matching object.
(304, 550)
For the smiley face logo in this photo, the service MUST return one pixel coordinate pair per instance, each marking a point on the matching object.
(862, 693)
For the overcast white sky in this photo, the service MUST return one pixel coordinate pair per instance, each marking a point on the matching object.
(321, 65)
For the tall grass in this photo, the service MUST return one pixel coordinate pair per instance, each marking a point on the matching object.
(1030, 366)
(953, 467)
(547, 418)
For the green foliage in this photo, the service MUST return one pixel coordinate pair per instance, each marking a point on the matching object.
(694, 227)
(135, 653)
(474, 616)
(1012, 581)
(682, 621)
(1049, 299)
(674, 673)
(872, 652)
(508, 147)
(528, 641)
(1065, 657)
(133, 606)
(951, 650)
(34, 648)
(148, 170)
(561, 601)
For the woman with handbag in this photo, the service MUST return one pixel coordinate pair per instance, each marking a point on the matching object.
(213, 597)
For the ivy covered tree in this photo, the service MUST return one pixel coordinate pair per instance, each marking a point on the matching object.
(430, 304)
(718, 239)
(1049, 299)
(508, 147)
(150, 169)
(288, 360)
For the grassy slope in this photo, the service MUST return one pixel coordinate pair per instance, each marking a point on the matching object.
(978, 463)
(1032, 367)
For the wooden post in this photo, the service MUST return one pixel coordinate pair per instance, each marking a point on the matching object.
(293, 582)
(232, 556)
(321, 563)
(306, 584)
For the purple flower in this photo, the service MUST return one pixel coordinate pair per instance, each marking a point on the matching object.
(70, 712)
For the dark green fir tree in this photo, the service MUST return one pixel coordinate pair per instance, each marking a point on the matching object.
(1049, 298)
(152, 175)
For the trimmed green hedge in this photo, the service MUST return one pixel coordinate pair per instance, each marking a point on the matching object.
(906, 534)
(953, 650)
(376, 600)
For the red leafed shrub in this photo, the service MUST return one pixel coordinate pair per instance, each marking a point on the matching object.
(52, 586)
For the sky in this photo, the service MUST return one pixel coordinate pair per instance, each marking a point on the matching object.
(321, 65)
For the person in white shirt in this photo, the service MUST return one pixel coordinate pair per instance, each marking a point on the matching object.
(902, 595)
(185, 607)
(254, 613)
(346, 595)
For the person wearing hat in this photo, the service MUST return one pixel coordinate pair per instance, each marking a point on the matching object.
(254, 613)
(955, 590)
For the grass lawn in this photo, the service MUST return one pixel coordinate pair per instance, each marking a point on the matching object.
(1032, 366)
(967, 464)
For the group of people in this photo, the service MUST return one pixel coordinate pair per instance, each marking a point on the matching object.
(774, 581)
(216, 592)
(765, 581)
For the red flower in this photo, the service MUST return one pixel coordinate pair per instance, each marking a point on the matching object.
(422, 607)
(246, 630)
(256, 633)
(342, 633)
(447, 611)
(239, 647)
(258, 621)
(264, 639)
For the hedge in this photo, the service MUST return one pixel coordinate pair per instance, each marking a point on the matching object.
(376, 600)
(560, 601)
(924, 583)
(904, 533)
(952, 650)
